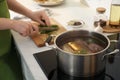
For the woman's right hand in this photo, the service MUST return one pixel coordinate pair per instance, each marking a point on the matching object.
(24, 28)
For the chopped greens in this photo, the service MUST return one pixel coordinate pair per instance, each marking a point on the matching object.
(48, 29)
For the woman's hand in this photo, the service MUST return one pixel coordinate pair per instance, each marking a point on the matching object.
(41, 17)
(24, 28)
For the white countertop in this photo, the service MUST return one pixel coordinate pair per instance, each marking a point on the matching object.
(70, 9)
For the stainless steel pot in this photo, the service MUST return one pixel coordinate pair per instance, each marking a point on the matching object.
(81, 64)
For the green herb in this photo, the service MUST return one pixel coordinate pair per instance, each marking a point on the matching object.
(83, 51)
(48, 29)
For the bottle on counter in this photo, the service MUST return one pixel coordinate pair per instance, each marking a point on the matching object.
(115, 13)
(100, 17)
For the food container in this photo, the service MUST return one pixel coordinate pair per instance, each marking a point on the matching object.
(79, 65)
(76, 24)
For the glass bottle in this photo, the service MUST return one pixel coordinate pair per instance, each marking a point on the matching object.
(100, 17)
(98, 28)
(115, 13)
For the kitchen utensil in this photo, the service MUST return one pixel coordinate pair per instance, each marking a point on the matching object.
(48, 40)
(81, 64)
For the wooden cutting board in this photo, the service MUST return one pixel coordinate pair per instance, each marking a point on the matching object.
(111, 29)
(39, 39)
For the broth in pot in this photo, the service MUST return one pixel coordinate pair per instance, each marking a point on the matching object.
(83, 45)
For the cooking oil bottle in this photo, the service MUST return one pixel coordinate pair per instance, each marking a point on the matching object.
(115, 13)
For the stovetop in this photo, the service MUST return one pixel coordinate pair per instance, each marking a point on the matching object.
(47, 60)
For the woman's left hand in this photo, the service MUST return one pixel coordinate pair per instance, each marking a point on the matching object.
(41, 17)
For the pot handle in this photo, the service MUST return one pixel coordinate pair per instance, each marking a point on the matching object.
(113, 52)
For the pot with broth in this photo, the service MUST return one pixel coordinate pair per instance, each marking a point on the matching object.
(80, 52)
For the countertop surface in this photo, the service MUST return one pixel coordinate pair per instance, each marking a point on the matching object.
(70, 9)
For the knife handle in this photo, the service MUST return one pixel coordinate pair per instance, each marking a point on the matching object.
(48, 39)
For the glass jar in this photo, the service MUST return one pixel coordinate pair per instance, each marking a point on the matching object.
(115, 13)
(100, 17)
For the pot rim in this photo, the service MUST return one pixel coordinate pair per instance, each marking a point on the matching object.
(83, 54)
